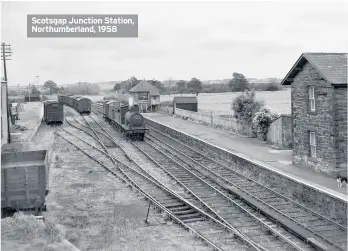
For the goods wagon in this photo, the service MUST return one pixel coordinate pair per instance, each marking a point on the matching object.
(125, 118)
(24, 178)
(53, 112)
(80, 104)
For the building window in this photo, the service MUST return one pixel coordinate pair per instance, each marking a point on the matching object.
(311, 98)
(143, 96)
(154, 98)
(313, 144)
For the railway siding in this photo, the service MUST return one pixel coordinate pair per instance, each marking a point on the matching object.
(322, 201)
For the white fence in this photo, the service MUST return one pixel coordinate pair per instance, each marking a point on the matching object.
(211, 119)
(217, 112)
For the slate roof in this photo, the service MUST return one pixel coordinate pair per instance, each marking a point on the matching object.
(144, 86)
(185, 100)
(332, 66)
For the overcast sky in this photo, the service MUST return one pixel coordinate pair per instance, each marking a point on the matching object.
(176, 40)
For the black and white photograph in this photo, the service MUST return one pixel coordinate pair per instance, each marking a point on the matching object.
(174, 125)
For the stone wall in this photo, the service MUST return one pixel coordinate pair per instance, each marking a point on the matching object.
(287, 132)
(340, 104)
(320, 121)
(315, 199)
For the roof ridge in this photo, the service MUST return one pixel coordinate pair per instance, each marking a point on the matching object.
(326, 53)
(331, 66)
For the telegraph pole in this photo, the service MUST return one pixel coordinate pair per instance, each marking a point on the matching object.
(29, 91)
(170, 85)
(5, 55)
(37, 85)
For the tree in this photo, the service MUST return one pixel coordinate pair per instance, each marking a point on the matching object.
(34, 90)
(195, 86)
(245, 106)
(117, 86)
(170, 85)
(239, 83)
(84, 88)
(157, 84)
(133, 81)
(61, 90)
(273, 86)
(51, 86)
(181, 86)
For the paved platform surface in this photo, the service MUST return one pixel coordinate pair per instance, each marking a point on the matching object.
(254, 149)
(30, 117)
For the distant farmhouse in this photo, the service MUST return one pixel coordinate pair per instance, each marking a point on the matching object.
(319, 111)
(146, 95)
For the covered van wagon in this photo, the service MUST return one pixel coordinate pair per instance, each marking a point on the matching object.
(53, 112)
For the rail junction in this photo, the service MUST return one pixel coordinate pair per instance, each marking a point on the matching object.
(224, 208)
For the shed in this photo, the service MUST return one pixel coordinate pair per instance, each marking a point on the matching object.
(185, 103)
(32, 98)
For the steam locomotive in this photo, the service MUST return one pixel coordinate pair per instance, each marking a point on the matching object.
(125, 118)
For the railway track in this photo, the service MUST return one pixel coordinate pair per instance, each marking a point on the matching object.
(208, 197)
(232, 210)
(321, 227)
(216, 234)
(190, 163)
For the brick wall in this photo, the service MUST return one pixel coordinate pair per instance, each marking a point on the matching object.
(340, 122)
(320, 121)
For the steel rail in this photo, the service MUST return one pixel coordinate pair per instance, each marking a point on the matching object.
(248, 178)
(78, 122)
(215, 213)
(241, 236)
(156, 182)
(146, 195)
(260, 200)
(281, 237)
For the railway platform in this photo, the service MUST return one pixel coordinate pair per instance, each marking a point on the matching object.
(29, 119)
(252, 149)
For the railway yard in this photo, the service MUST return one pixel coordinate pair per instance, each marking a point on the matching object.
(111, 193)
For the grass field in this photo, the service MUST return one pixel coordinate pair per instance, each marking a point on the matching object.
(279, 101)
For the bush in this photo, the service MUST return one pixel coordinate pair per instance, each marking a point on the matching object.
(245, 106)
(216, 88)
(273, 86)
(261, 122)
